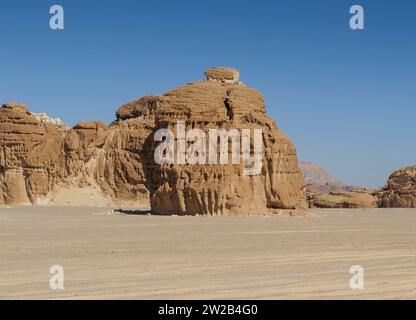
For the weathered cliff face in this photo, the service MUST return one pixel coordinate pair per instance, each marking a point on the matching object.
(30, 155)
(40, 157)
(109, 158)
(400, 189)
(222, 189)
(120, 167)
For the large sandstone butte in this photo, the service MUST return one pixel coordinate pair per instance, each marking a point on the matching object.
(40, 157)
(400, 189)
(222, 102)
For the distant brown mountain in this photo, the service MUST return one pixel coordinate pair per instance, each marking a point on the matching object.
(318, 178)
(325, 191)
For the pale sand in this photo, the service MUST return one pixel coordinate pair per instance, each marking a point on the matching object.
(87, 196)
(136, 257)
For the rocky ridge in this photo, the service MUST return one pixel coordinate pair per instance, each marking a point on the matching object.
(43, 161)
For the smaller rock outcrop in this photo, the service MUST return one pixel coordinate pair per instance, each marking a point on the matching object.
(347, 199)
(143, 107)
(400, 189)
(324, 191)
(30, 159)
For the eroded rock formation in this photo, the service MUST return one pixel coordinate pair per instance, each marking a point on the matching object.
(30, 155)
(400, 189)
(342, 199)
(41, 156)
(221, 102)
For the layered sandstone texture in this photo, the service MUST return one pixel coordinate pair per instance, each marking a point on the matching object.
(400, 189)
(31, 159)
(222, 102)
(342, 199)
(42, 160)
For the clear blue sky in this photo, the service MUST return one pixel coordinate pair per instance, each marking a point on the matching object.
(346, 98)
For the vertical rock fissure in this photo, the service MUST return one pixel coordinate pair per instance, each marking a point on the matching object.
(230, 112)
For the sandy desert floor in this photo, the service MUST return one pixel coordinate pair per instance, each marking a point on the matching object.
(133, 256)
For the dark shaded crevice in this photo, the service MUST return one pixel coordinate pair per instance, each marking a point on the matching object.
(230, 112)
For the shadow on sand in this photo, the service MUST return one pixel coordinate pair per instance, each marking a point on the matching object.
(137, 212)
